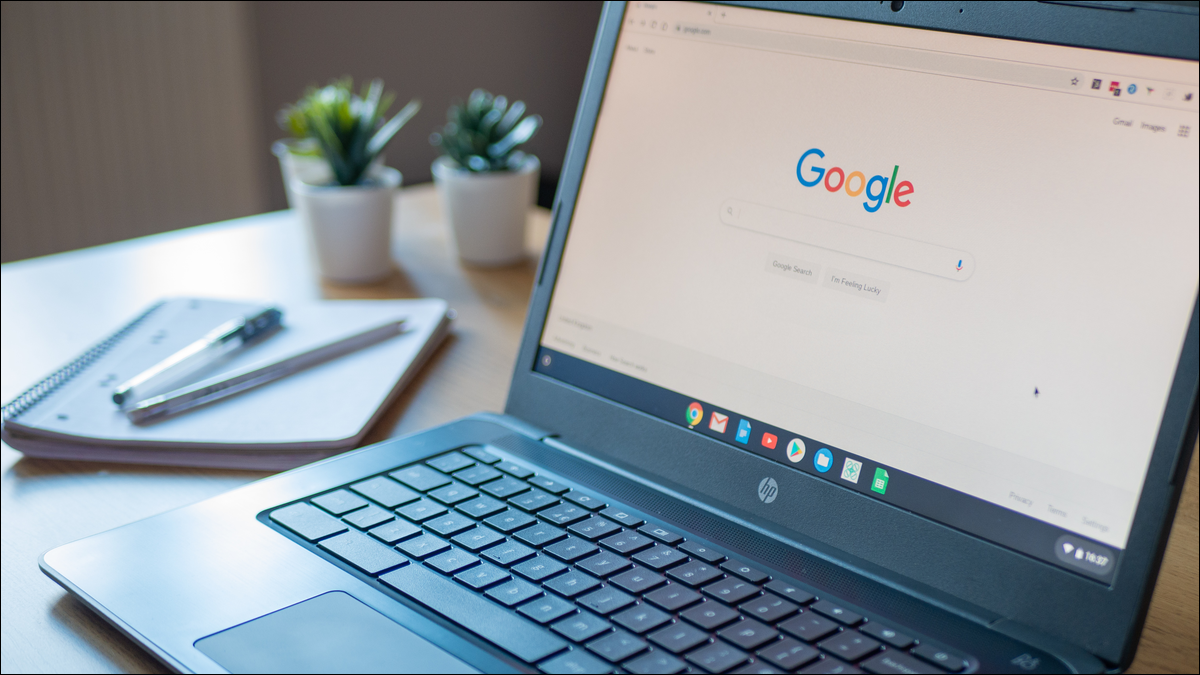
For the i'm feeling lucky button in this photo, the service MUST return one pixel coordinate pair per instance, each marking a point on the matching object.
(856, 284)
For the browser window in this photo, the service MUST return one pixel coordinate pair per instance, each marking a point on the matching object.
(892, 257)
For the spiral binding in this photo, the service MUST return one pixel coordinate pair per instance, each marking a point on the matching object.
(34, 395)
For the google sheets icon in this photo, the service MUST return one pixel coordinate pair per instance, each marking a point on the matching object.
(879, 483)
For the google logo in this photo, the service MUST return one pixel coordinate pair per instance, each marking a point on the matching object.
(880, 190)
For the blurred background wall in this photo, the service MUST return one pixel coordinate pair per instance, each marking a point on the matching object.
(121, 119)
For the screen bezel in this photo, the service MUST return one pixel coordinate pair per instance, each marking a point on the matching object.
(987, 581)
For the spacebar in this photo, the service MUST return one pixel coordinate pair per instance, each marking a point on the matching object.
(523, 638)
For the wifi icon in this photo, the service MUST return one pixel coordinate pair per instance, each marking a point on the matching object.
(1067, 548)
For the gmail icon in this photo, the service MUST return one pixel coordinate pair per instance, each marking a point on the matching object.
(718, 422)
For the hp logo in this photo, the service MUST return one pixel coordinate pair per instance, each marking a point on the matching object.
(768, 490)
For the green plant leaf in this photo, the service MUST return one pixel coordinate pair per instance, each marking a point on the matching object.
(520, 134)
(381, 138)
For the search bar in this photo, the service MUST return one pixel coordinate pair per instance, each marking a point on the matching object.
(767, 30)
(890, 249)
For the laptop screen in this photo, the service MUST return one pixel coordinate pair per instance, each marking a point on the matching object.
(952, 273)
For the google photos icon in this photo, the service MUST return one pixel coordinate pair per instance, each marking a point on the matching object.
(795, 450)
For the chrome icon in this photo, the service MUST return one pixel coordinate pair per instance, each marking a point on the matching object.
(795, 450)
(695, 413)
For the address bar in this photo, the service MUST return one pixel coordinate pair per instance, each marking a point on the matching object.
(767, 30)
(910, 254)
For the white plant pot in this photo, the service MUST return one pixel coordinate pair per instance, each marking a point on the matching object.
(487, 211)
(350, 226)
(308, 168)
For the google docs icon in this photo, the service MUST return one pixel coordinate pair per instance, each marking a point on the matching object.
(743, 434)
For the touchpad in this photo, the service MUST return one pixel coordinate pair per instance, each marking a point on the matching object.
(331, 633)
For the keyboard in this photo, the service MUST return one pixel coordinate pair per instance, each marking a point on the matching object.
(567, 581)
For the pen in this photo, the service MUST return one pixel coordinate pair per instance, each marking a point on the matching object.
(186, 362)
(190, 397)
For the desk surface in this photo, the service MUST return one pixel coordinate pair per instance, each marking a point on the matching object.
(53, 308)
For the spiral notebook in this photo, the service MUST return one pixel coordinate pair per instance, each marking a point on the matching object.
(306, 416)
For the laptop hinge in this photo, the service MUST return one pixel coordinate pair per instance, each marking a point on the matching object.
(516, 424)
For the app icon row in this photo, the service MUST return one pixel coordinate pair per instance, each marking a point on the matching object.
(795, 450)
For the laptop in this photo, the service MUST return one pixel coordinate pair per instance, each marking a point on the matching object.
(865, 340)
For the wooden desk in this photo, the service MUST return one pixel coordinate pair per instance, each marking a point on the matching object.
(52, 308)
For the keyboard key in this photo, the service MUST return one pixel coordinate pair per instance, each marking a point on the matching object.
(477, 474)
(339, 502)
(572, 583)
(897, 663)
(508, 553)
(423, 546)
(481, 507)
(626, 543)
(889, 635)
(749, 634)
(660, 533)
(702, 552)
(479, 454)
(605, 601)
(678, 637)
(477, 539)
(660, 558)
(940, 657)
(580, 627)
(621, 516)
(641, 618)
(575, 661)
(657, 661)
(831, 666)
(514, 469)
(453, 493)
(533, 500)
(504, 488)
(546, 609)
(789, 592)
(540, 534)
(510, 520)
(363, 552)
(423, 509)
(694, 573)
(849, 645)
(769, 608)
(718, 657)
(595, 528)
(308, 521)
(757, 668)
(731, 590)
(809, 626)
(420, 478)
(450, 462)
(564, 514)
(571, 548)
(451, 561)
(524, 639)
(482, 576)
(603, 564)
(637, 580)
(617, 646)
(385, 491)
(672, 597)
(392, 532)
(450, 524)
(548, 485)
(587, 500)
(741, 569)
(840, 614)
(365, 519)
(710, 615)
(514, 592)
(788, 654)
(541, 567)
